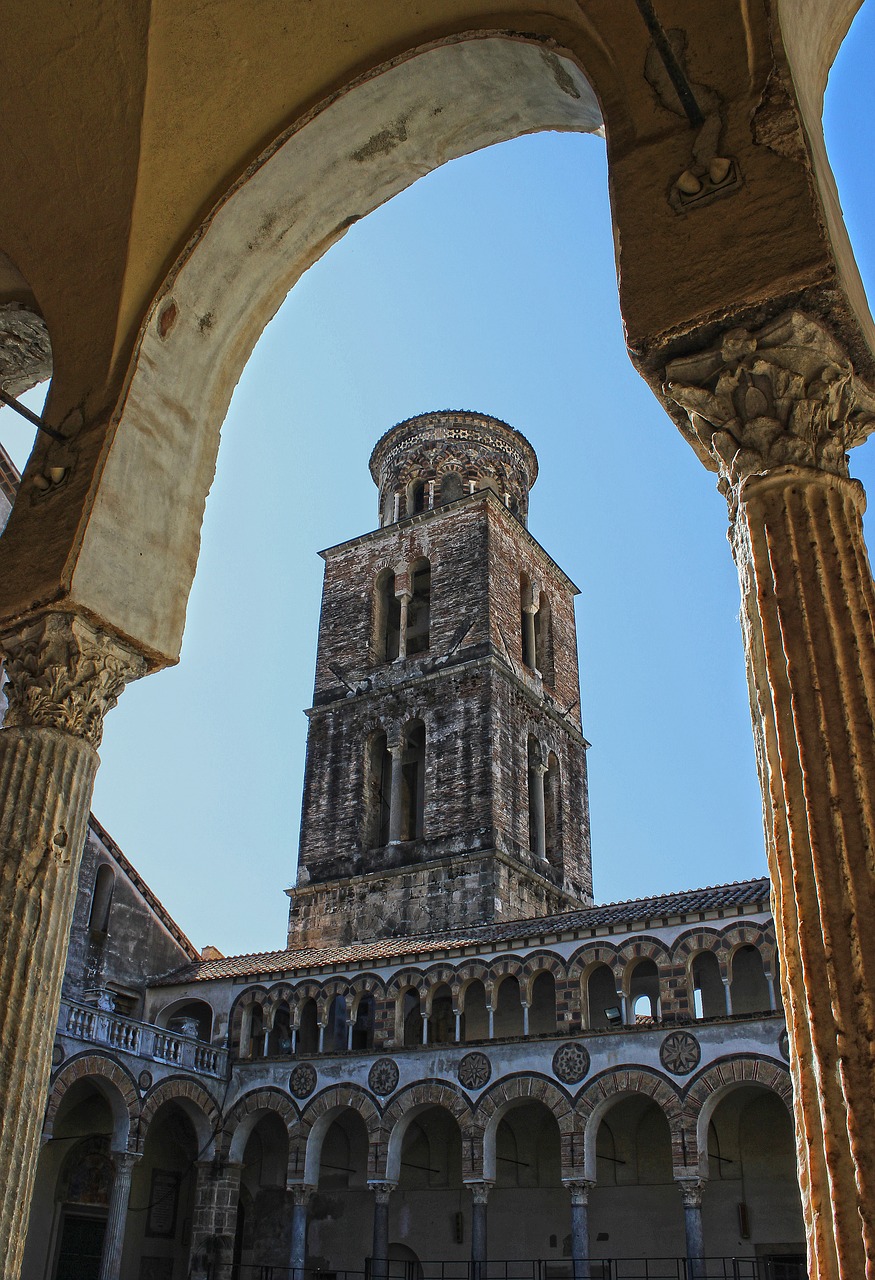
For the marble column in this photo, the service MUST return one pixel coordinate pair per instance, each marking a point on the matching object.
(380, 1247)
(539, 813)
(479, 1197)
(774, 411)
(403, 598)
(691, 1190)
(529, 611)
(396, 793)
(580, 1189)
(64, 674)
(301, 1195)
(216, 1197)
(116, 1218)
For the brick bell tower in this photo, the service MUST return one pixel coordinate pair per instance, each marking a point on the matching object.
(445, 783)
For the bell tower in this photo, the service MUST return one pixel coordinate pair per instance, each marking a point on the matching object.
(445, 783)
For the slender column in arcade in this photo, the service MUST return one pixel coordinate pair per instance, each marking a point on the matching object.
(691, 1189)
(301, 1194)
(773, 412)
(580, 1189)
(479, 1197)
(64, 674)
(380, 1248)
(396, 793)
(539, 812)
(116, 1219)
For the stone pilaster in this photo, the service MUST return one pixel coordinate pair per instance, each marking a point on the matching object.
(116, 1220)
(216, 1196)
(63, 676)
(773, 412)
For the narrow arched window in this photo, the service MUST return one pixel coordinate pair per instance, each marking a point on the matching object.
(378, 791)
(101, 899)
(387, 619)
(417, 498)
(527, 622)
(335, 1028)
(412, 791)
(308, 1028)
(363, 1028)
(419, 608)
(709, 999)
(544, 640)
(553, 811)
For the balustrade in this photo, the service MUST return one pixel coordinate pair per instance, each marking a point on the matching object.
(83, 1022)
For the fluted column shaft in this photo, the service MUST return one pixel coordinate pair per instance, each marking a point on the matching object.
(809, 626)
(116, 1219)
(63, 675)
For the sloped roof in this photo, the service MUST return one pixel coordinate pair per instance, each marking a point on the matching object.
(637, 911)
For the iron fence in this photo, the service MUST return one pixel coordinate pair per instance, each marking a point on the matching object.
(791, 1267)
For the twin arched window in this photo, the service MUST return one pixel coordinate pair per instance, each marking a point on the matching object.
(402, 613)
(395, 787)
(536, 629)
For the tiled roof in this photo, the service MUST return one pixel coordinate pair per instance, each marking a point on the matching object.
(641, 911)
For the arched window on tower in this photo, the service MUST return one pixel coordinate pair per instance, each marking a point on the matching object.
(417, 497)
(527, 622)
(452, 487)
(387, 618)
(419, 608)
(101, 899)
(412, 797)
(378, 791)
(544, 640)
(553, 810)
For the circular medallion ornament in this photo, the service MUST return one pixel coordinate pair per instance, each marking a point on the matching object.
(383, 1076)
(58, 1055)
(144, 1080)
(474, 1070)
(302, 1081)
(570, 1063)
(784, 1045)
(679, 1053)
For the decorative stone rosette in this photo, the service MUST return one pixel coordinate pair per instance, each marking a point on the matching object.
(302, 1081)
(474, 1071)
(383, 1077)
(570, 1063)
(680, 1053)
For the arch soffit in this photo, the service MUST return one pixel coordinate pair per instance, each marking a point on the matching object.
(604, 1091)
(410, 1103)
(709, 1087)
(289, 207)
(112, 1081)
(321, 1112)
(248, 1111)
(194, 1100)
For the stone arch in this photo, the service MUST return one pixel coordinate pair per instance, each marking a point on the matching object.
(494, 1104)
(473, 971)
(454, 96)
(441, 975)
(596, 1100)
(408, 1104)
(642, 948)
(320, 1113)
(365, 985)
(197, 1103)
(540, 962)
(750, 935)
(241, 1010)
(707, 1089)
(246, 1113)
(588, 956)
(304, 991)
(116, 1085)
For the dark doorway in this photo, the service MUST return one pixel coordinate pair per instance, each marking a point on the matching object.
(81, 1247)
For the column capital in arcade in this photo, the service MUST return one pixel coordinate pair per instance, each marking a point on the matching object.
(301, 1192)
(782, 395)
(382, 1190)
(480, 1190)
(692, 1190)
(65, 673)
(579, 1188)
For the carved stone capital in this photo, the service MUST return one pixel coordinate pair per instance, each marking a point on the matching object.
(782, 395)
(479, 1191)
(579, 1188)
(382, 1191)
(692, 1190)
(301, 1192)
(65, 673)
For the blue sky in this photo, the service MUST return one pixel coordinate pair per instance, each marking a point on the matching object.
(488, 285)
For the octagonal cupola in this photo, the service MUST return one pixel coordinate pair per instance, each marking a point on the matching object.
(436, 458)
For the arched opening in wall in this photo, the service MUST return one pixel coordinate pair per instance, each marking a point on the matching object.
(378, 791)
(635, 1182)
(411, 1018)
(363, 1027)
(537, 812)
(263, 1194)
(527, 1148)
(257, 1034)
(452, 487)
(749, 989)
(387, 618)
(475, 1016)
(187, 1017)
(752, 1194)
(417, 497)
(343, 1163)
(163, 1187)
(412, 798)
(431, 1158)
(308, 1027)
(553, 811)
(336, 1033)
(544, 640)
(419, 608)
(644, 992)
(542, 1013)
(442, 1020)
(527, 622)
(603, 1005)
(101, 900)
(709, 999)
(522, 1152)
(508, 1009)
(279, 1041)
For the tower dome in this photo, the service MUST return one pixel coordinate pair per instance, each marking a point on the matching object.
(436, 458)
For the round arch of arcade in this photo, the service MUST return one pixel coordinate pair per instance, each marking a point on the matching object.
(113, 1082)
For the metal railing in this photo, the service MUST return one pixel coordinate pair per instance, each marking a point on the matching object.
(97, 1026)
(773, 1268)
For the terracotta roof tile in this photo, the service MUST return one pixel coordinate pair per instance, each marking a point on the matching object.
(635, 911)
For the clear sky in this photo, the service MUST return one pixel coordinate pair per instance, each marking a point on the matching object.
(488, 285)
